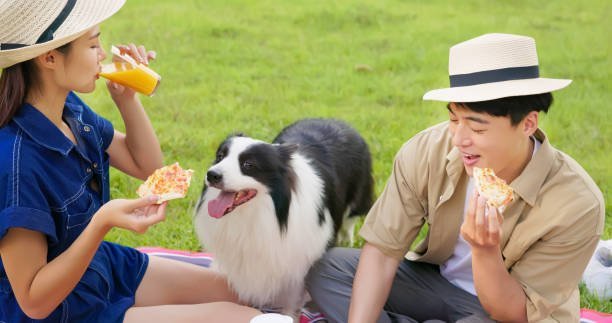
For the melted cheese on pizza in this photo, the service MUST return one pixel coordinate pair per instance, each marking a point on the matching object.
(494, 189)
(169, 182)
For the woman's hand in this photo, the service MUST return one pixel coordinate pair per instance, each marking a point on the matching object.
(481, 227)
(118, 92)
(136, 215)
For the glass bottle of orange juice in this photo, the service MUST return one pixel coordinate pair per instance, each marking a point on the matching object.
(130, 73)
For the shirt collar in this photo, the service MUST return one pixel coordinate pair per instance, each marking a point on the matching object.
(454, 167)
(529, 182)
(42, 130)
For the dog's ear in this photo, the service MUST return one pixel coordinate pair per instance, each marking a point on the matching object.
(286, 150)
(235, 134)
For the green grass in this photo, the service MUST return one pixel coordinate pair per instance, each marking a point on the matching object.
(256, 66)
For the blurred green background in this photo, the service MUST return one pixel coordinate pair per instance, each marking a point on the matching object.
(256, 66)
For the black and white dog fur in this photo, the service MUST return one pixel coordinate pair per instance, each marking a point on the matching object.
(269, 211)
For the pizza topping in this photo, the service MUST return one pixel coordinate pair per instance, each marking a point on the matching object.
(169, 182)
(227, 201)
(494, 189)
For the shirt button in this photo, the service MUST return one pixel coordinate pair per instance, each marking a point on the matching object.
(95, 165)
(87, 128)
(88, 170)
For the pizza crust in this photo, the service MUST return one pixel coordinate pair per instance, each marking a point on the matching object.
(494, 189)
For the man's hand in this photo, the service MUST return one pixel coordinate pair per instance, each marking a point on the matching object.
(481, 227)
(500, 294)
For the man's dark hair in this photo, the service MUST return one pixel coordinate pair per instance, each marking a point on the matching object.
(516, 107)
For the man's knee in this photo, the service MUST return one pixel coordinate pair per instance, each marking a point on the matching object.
(335, 264)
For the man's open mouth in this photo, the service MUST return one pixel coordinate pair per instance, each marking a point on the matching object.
(227, 201)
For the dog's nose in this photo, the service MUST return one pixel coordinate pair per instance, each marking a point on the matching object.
(213, 177)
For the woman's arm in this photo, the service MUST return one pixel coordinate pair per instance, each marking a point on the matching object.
(137, 152)
(375, 274)
(39, 286)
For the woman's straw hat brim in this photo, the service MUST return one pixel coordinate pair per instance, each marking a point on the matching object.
(24, 23)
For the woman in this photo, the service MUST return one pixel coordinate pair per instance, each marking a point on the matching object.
(54, 190)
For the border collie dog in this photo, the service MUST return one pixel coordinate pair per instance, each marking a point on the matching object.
(269, 211)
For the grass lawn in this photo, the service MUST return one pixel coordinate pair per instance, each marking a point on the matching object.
(256, 66)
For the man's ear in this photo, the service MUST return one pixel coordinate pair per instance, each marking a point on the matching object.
(530, 123)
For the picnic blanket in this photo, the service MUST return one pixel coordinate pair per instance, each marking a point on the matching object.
(309, 316)
(592, 316)
(204, 259)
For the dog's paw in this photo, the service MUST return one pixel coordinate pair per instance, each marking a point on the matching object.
(273, 318)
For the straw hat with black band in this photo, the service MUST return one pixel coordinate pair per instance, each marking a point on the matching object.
(30, 28)
(494, 66)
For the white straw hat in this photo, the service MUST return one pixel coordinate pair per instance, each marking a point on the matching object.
(33, 27)
(494, 66)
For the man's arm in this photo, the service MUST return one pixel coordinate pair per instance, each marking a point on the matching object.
(375, 274)
(500, 294)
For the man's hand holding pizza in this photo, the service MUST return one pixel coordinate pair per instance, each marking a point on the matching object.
(500, 294)
(481, 227)
(482, 224)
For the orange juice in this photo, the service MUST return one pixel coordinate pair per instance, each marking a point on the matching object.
(128, 73)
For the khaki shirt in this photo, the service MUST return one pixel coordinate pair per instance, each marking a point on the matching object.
(550, 230)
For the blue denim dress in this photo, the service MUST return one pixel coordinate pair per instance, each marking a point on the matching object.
(50, 185)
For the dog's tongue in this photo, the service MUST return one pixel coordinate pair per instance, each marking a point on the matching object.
(218, 206)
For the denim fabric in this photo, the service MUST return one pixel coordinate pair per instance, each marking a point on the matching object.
(50, 185)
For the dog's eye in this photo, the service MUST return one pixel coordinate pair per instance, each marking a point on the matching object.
(247, 164)
(219, 157)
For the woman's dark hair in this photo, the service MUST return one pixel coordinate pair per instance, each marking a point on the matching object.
(517, 107)
(15, 82)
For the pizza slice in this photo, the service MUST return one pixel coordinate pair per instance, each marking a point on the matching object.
(169, 182)
(494, 189)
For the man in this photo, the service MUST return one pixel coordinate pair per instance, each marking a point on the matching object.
(475, 264)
